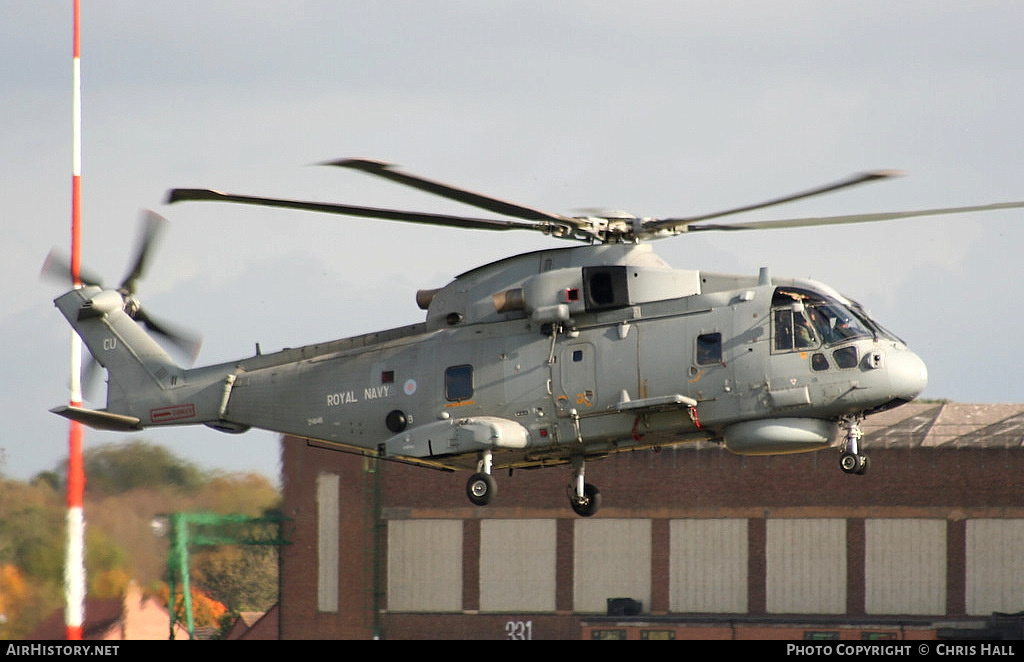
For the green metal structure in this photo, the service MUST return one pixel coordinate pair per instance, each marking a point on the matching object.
(204, 529)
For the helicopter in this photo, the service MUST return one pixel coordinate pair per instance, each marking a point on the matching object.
(549, 358)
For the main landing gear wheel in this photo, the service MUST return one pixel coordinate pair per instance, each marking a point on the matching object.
(584, 498)
(481, 489)
(854, 464)
(589, 503)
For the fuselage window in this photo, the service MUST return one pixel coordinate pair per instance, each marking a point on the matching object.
(709, 348)
(458, 383)
(845, 357)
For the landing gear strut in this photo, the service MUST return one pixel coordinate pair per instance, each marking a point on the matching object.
(584, 498)
(481, 487)
(851, 460)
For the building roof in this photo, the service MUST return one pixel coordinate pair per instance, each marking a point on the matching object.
(101, 616)
(946, 425)
(135, 616)
(255, 625)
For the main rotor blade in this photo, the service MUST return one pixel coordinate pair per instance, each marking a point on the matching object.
(853, 180)
(852, 218)
(387, 171)
(153, 224)
(179, 195)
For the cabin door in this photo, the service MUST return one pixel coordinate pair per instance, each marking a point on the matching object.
(576, 375)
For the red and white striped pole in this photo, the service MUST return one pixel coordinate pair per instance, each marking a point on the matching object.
(74, 565)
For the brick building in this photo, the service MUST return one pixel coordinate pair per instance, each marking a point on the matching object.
(690, 542)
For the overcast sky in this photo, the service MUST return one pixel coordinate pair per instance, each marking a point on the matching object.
(658, 108)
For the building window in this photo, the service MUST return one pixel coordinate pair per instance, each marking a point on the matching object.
(424, 565)
(821, 635)
(875, 635)
(657, 635)
(328, 540)
(517, 565)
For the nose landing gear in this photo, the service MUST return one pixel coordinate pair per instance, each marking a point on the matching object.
(851, 460)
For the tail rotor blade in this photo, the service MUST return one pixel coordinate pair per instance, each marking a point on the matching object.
(188, 343)
(153, 224)
(58, 267)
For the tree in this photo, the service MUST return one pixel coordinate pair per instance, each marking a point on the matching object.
(31, 555)
(118, 468)
(243, 577)
(127, 486)
(31, 530)
(206, 611)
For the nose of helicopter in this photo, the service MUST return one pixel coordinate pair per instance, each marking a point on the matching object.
(908, 374)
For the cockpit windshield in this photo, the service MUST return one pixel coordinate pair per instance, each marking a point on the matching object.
(827, 319)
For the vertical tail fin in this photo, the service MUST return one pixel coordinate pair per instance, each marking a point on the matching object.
(140, 371)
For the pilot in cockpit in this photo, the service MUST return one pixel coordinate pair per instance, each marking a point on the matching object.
(803, 332)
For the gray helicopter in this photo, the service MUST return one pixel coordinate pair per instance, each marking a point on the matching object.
(553, 357)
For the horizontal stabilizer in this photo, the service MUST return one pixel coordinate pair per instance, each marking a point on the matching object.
(100, 420)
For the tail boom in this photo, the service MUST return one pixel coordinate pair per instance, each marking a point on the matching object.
(145, 386)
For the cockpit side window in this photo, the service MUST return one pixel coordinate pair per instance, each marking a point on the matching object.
(827, 320)
(792, 330)
(836, 323)
(783, 329)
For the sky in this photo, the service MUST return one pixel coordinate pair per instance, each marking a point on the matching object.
(658, 108)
